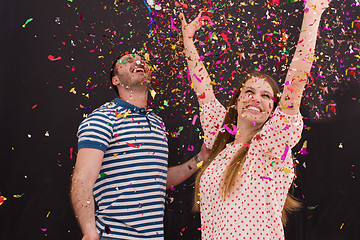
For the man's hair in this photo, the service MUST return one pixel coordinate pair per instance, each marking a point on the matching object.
(113, 72)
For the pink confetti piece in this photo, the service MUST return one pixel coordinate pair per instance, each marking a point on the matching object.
(267, 178)
(191, 148)
(92, 87)
(71, 153)
(206, 18)
(194, 119)
(233, 131)
(287, 126)
(172, 25)
(283, 157)
(197, 78)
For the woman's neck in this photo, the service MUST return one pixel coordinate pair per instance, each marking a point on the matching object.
(246, 131)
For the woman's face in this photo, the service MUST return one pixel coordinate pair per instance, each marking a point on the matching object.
(255, 102)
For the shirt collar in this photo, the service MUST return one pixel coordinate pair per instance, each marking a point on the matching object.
(133, 108)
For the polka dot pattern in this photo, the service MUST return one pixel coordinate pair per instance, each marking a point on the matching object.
(254, 209)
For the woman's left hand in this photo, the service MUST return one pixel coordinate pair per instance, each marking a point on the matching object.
(317, 5)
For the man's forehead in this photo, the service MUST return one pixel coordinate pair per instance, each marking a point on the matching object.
(132, 55)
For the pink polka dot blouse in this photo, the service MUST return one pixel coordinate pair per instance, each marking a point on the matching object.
(254, 209)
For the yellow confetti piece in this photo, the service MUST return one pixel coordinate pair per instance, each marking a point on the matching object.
(341, 225)
(286, 170)
(123, 115)
(285, 120)
(73, 90)
(200, 164)
(304, 145)
(115, 154)
(147, 56)
(48, 214)
(153, 93)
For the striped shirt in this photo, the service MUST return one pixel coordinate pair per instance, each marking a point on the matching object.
(130, 188)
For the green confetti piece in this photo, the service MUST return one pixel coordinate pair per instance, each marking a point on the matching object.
(102, 175)
(27, 21)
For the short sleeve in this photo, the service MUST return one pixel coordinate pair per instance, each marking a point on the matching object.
(280, 134)
(95, 131)
(211, 117)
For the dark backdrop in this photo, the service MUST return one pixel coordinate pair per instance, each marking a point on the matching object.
(44, 98)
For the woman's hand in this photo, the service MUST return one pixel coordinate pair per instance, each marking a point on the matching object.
(189, 29)
(317, 5)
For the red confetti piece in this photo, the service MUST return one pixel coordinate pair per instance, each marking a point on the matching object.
(183, 5)
(2, 199)
(52, 58)
(133, 145)
(202, 96)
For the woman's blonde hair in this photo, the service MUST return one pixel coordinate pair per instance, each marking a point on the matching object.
(234, 168)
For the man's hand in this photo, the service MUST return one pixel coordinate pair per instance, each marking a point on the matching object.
(204, 153)
(93, 236)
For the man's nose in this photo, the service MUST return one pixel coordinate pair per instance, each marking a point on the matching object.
(138, 58)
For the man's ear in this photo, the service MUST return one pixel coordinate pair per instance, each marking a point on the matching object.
(115, 80)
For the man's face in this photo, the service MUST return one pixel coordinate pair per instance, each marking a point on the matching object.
(132, 70)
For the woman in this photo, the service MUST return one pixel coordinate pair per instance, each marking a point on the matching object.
(241, 191)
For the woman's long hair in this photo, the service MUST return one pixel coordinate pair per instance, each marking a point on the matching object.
(234, 168)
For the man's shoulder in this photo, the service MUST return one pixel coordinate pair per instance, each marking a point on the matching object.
(109, 108)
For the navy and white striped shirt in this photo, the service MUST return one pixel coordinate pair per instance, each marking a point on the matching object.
(130, 189)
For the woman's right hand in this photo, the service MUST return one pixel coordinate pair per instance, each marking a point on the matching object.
(189, 29)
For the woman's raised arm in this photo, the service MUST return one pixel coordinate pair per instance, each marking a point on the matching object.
(199, 75)
(300, 66)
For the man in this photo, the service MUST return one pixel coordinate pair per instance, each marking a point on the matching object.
(122, 162)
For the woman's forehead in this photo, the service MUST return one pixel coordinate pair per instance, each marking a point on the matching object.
(257, 82)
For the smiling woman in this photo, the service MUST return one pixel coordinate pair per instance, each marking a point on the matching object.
(243, 191)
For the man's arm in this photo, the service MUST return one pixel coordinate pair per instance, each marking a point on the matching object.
(180, 173)
(87, 168)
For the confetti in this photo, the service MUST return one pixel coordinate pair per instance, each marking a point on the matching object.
(267, 178)
(2, 199)
(52, 58)
(233, 131)
(27, 21)
(283, 157)
(133, 145)
(18, 196)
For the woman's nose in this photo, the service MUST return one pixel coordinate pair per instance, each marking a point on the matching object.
(255, 98)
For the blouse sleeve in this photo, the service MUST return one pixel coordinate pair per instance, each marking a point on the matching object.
(211, 118)
(280, 134)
